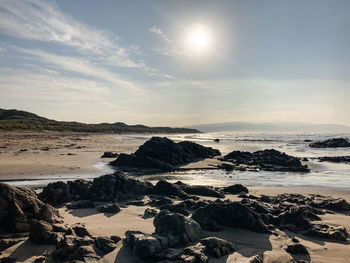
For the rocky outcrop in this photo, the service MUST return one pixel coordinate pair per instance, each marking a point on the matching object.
(329, 232)
(152, 248)
(176, 228)
(202, 190)
(109, 208)
(19, 205)
(233, 214)
(336, 159)
(164, 154)
(266, 160)
(165, 188)
(331, 143)
(235, 189)
(106, 188)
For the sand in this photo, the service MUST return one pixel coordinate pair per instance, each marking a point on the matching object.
(86, 150)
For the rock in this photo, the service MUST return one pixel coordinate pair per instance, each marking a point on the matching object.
(295, 216)
(81, 204)
(267, 160)
(232, 214)
(164, 154)
(165, 188)
(180, 208)
(144, 245)
(109, 208)
(105, 244)
(335, 204)
(336, 159)
(177, 228)
(85, 254)
(216, 140)
(42, 232)
(8, 260)
(19, 205)
(80, 230)
(235, 189)
(162, 201)
(56, 193)
(149, 213)
(109, 155)
(137, 203)
(201, 190)
(331, 143)
(217, 247)
(295, 249)
(329, 232)
(226, 166)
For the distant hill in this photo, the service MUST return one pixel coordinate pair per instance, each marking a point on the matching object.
(16, 120)
(270, 127)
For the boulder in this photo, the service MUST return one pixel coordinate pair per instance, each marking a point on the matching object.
(106, 244)
(41, 232)
(56, 193)
(177, 228)
(144, 245)
(164, 154)
(109, 208)
(331, 143)
(327, 231)
(336, 159)
(296, 249)
(19, 205)
(217, 247)
(149, 213)
(81, 204)
(165, 188)
(201, 190)
(267, 160)
(235, 189)
(233, 214)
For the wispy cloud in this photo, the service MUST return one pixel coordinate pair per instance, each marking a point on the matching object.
(156, 30)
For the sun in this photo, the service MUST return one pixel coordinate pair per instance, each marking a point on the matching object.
(198, 39)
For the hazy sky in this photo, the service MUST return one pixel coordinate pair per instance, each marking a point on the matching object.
(147, 62)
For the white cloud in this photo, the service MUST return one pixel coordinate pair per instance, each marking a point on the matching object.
(156, 30)
(43, 21)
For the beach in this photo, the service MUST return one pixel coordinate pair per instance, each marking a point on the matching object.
(31, 159)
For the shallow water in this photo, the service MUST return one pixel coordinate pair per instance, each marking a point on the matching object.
(323, 174)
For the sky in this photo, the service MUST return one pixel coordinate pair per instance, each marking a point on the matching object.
(177, 63)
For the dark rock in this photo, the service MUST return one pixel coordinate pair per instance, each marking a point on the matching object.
(176, 228)
(216, 140)
(336, 159)
(326, 231)
(162, 201)
(232, 214)
(80, 230)
(295, 249)
(235, 189)
(81, 204)
(109, 208)
(164, 154)
(19, 205)
(217, 247)
(109, 155)
(336, 204)
(295, 216)
(56, 193)
(165, 188)
(9, 242)
(42, 232)
(105, 244)
(331, 143)
(137, 203)
(267, 160)
(149, 213)
(226, 167)
(8, 260)
(201, 190)
(180, 208)
(144, 245)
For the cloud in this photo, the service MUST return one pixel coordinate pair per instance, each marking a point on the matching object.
(43, 21)
(82, 66)
(156, 30)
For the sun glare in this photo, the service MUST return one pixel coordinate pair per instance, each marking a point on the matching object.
(198, 39)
